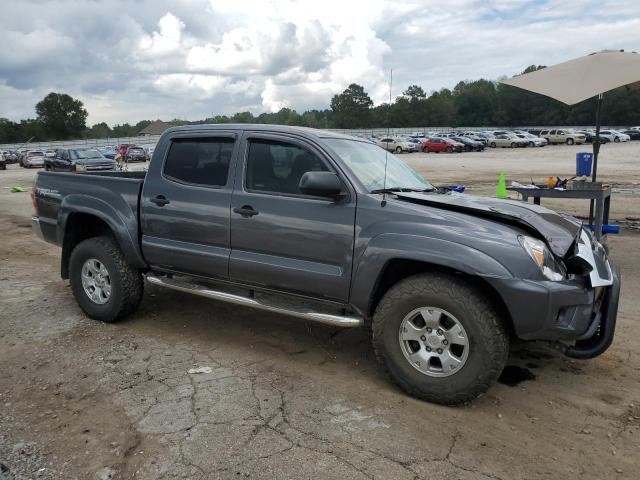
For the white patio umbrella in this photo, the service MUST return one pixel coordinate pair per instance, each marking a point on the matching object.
(582, 78)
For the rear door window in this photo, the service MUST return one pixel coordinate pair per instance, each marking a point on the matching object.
(199, 161)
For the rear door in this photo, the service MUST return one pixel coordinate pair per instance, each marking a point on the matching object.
(185, 204)
(281, 238)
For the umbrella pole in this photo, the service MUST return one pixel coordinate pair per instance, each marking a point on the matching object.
(596, 150)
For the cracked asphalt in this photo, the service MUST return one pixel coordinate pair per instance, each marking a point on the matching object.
(284, 398)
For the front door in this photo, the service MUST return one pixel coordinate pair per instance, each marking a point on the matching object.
(281, 238)
(185, 204)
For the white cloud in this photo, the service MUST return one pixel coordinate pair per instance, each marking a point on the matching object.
(195, 58)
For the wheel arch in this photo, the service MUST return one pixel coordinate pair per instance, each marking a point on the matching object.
(79, 222)
(397, 269)
(389, 258)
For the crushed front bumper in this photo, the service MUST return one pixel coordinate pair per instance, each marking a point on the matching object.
(580, 311)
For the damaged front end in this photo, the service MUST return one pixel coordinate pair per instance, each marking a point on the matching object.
(590, 258)
(576, 303)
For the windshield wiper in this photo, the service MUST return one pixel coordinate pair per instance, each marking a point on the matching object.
(402, 189)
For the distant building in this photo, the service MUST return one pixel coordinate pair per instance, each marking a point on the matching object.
(156, 128)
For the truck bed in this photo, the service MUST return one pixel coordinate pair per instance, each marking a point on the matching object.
(111, 196)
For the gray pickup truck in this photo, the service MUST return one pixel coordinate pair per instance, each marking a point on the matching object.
(333, 229)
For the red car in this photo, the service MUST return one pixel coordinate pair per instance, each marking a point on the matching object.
(438, 145)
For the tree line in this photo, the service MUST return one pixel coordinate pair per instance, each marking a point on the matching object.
(476, 103)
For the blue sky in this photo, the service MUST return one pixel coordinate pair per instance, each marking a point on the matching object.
(129, 61)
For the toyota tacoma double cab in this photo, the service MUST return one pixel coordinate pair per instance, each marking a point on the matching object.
(330, 228)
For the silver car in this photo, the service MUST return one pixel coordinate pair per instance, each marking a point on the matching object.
(33, 158)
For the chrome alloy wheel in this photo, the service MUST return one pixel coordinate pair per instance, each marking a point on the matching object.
(433, 341)
(96, 281)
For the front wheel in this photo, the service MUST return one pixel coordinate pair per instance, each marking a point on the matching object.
(492, 144)
(513, 145)
(570, 141)
(399, 150)
(450, 150)
(616, 139)
(105, 286)
(439, 338)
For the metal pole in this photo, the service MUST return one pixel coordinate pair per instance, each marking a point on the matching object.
(596, 150)
(596, 144)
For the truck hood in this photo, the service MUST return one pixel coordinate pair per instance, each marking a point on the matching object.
(559, 231)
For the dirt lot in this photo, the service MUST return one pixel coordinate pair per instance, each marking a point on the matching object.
(287, 399)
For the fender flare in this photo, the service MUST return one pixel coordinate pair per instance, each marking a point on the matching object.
(124, 227)
(384, 248)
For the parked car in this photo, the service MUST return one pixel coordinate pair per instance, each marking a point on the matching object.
(634, 128)
(563, 135)
(633, 134)
(11, 157)
(505, 140)
(475, 137)
(590, 135)
(79, 160)
(325, 227)
(49, 153)
(532, 140)
(33, 158)
(108, 152)
(398, 145)
(469, 145)
(441, 144)
(615, 136)
(135, 154)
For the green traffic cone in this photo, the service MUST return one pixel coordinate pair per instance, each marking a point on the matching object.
(501, 192)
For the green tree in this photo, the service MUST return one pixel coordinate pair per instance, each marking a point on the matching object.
(414, 92)
(62, 116)
(352, 108)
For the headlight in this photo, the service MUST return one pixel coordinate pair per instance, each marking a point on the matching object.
(543, 258)
(80, 167)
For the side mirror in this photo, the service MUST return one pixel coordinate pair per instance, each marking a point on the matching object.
(321, 184)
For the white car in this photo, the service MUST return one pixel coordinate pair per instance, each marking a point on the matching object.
(532, 139)
(398, 145)
(615, 136)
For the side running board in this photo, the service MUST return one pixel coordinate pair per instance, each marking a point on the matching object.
(270, 304)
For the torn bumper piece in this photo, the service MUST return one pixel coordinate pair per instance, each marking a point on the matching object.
(603, 324)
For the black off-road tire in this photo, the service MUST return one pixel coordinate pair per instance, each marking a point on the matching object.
(126, 282)
(487, 337)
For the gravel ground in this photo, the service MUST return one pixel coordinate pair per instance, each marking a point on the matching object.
(289, 399)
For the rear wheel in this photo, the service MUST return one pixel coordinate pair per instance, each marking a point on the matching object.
(570, 141)
(492, 144)
(439, 338)
(105, 286)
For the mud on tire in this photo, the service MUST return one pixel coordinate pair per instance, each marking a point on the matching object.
(125, 281)
(488, 341)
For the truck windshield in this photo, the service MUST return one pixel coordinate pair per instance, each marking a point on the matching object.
(367, 162)
(85, 154)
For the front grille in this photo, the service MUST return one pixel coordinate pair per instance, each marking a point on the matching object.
(94, 168)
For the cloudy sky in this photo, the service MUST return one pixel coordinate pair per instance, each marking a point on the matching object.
(131, 60)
